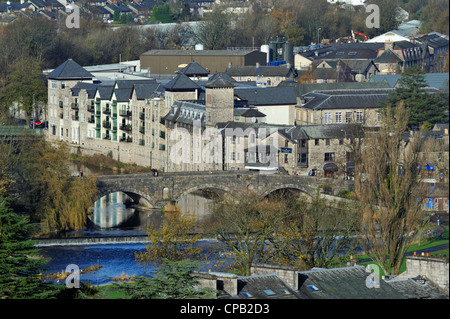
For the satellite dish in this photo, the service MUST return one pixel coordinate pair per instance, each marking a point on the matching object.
(253, 119)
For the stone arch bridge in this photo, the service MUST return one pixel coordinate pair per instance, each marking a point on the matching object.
(150, 191)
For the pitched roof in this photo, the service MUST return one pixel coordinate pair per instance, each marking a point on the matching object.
(419, 287)
(345, 99)
(69, 70)
(219, 83)
(343, 283)
(387, 57)
(194, 69)
(268, 286)
(181, 82)
(147, 90)
(266, 95)
(303, 88)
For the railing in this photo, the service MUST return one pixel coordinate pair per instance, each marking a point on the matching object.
(106, 124)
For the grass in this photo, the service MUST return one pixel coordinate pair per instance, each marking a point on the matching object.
(426, 244)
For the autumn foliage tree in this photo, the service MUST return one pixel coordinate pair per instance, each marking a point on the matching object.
(175, 240)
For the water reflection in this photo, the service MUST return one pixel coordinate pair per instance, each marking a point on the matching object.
(197, 205)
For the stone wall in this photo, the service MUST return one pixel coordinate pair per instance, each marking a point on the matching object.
(288, 274)
(435, 269)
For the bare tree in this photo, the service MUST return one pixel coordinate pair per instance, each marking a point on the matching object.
(388, 189)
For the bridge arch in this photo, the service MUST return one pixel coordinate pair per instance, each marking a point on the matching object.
(139, 197)
(222, 188)
(286, 186)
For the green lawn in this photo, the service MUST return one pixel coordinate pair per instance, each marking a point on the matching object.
(426, 243)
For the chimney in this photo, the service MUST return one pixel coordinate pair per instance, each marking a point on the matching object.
(227, 282)
(389, 45)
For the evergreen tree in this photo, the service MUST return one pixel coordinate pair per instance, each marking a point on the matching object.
(173, 281)
(19, 264)
(423, 106)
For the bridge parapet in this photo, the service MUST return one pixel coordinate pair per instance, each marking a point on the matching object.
(157, 191)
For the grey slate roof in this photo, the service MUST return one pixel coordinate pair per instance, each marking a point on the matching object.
(248, 112)
(147, 90)
(418, 288)
(434, 80)
(345, 99)
(194, 69)
(122, 95)
(303, 88)
(105, 92)
(266, 96)
(186, 112)
(91, 88)
(181, 82)
(219, 83)
(387, 57)
(343, 283)
(268, 286)
(69, 70)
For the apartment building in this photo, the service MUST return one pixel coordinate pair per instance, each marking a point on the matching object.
(120, 118)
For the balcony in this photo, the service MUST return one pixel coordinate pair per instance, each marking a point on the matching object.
(126, 127)
(125, 113)
(91, 108)
(141, 142)
(74, 106)
(106, 124)
(91, 119)
(75, 118)
(106, 136)
(126, 139)
(107, 111)
(142, 115)
(142, 129)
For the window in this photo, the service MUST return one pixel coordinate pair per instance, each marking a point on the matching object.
(359, 116)
(303, 143)
(316, 141)
(54, 84)
(327, 141)
(338, 116)
(286, 159)
(53, 129)
(348, 117)
(63, 85)
(329, 157)
(328, 118)
(302, 158)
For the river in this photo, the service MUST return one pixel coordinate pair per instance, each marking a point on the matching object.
(113, 217)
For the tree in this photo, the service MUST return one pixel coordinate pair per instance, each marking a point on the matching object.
(174, 280)
(175, 240)
(162, 13)
(19, 265)
(244, 222)
(43, 186)
(423, 105)
(315, 233)
(214, 31)
(388, 189)
(24, 85)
